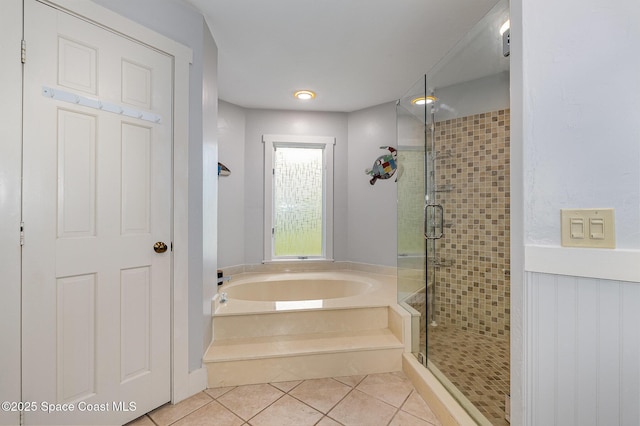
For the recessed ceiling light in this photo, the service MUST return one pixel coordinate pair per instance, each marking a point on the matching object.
(304, 95)
(422, 100)
(505, 26)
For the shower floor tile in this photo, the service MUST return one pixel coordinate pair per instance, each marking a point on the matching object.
(479, 366)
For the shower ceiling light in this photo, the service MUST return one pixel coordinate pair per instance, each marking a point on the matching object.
(423, 100)
(304, 95)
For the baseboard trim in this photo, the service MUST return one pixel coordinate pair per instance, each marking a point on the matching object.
(198, 380)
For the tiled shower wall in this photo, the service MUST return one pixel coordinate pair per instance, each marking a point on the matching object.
(472, 180)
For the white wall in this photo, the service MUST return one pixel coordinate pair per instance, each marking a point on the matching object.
(372, 212)
(184, 25)
(10, 208)
(260, 122)
(231, 189)
(575, 104)
(581, 106)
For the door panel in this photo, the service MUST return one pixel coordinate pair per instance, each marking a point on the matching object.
(77, 65)
(76, 337)
(97, 196)
(136, 183)
(76, 174)
(135, 290)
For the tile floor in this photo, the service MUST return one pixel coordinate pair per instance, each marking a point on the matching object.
(375, 399)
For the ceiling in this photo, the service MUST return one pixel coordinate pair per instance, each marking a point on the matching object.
(353, 53)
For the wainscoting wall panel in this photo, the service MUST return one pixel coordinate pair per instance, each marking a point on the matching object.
(584, 350)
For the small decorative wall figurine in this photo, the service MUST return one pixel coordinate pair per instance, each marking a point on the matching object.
(223, 170)
(385, 166)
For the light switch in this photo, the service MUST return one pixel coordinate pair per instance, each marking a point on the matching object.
(596, 228)
(577, 228)
(588, 228)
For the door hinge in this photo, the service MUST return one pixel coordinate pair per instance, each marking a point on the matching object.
(23, 51)
(422, 359)
(21, 233)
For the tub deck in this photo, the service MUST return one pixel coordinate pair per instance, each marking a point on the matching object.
(265, 341)
(381, 293)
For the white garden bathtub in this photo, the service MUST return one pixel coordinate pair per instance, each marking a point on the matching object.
(264, 292)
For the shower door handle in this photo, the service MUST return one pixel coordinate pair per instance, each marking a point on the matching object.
(433, 221)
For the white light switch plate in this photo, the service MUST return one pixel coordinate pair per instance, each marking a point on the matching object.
(588, 228)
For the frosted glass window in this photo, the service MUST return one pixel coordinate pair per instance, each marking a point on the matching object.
(298, 200)
(298, 197)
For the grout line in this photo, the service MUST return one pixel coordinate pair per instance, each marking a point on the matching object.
(323, 415)
(301, 382)
(400, 406)
(193, 411)
(314, 408)
(255, 415)
(188, 414)
(230, 410)
(224, 393)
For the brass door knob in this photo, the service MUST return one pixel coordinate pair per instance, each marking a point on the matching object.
(160, 247)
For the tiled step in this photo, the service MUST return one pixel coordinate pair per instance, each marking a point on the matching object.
(265, 359)
(282, 323)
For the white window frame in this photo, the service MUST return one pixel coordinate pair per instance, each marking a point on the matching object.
(326, 143)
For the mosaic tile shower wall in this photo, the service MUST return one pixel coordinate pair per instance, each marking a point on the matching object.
(472, 171)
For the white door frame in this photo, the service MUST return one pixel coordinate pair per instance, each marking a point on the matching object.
(182, 385)
(10, 205)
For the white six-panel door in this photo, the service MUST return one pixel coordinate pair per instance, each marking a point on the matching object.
(97, 197)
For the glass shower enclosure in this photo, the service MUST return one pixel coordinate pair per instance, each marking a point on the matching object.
(414, 276)
(453, 218)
